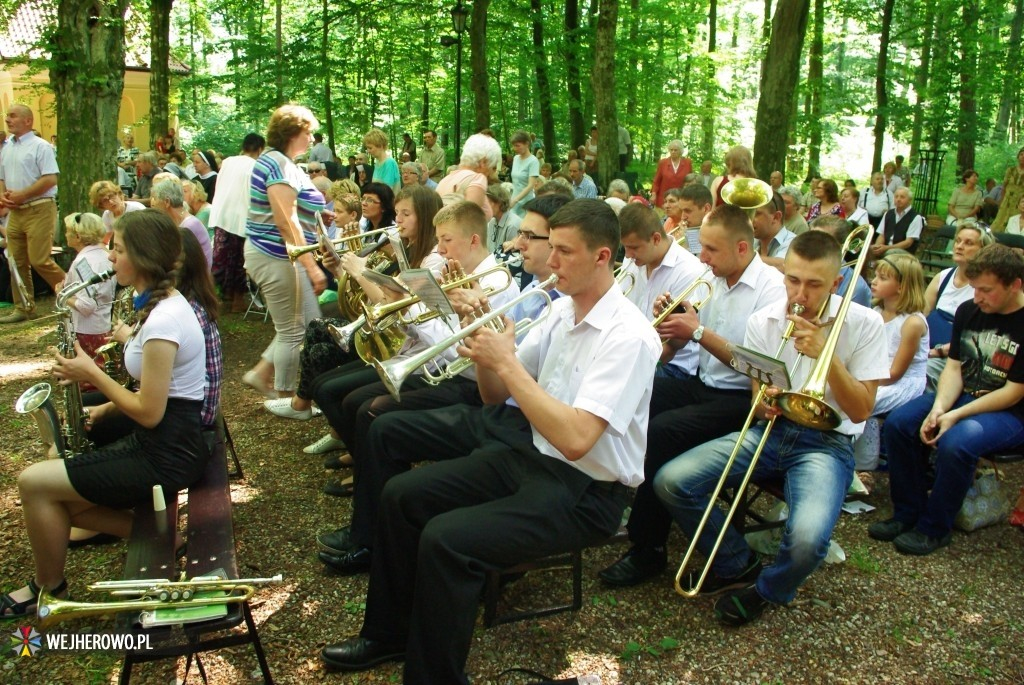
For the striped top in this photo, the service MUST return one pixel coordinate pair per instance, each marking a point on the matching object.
(273, 167)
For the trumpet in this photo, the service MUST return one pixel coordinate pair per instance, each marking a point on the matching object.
(623, 274)
(296, 251)
(150, 594)
(394, 372)
(698, 305)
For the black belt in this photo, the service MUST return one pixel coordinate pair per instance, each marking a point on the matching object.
(612, 486)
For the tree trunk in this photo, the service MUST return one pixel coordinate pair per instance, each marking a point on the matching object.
(278, 54)
(815, 86)
(939, 88)
(160, 73)
(1011, 79)
(604, 91)
(882, 86)
(478, 64)
(921, 79)
(87, 76)
(766, 25)
(780, 73)
(572, 74)
(325, 60)
(967, 118)
(707, 121)
(634, 41)
(540, 62)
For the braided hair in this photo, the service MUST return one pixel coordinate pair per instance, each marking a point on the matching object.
(153, 244)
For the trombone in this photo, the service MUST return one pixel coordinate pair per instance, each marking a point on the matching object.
(674, 304)
(806, 407)
(150, 594)
(296, 251)
(394, 372)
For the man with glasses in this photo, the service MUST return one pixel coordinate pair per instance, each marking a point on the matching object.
(315, 169)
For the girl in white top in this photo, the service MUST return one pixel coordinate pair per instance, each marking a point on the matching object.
(90, 308)
(167, 353)
(898, 291)
(1013, 223)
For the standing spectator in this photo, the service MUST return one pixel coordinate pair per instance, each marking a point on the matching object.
(590, 151)
(1013, 191)
(892, 181)
(775, 181)
(902, 171)
(481, 156)
(525, 172)
(109, 198)
(706, 177)
(625, 148)
(205, 163)
(966, 201)
(28, 187)
(409, 147)
(432, 155)
(876, 199)
(739, 163)
(127, 153)
(386, 169)
(320, 152)
(672, 172)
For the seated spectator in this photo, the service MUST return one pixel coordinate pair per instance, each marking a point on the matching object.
(90, 308)
(109, 198)
(990, 203)
(901, 226)
(792, 217)
(827, 194)
(147, 166)
(618, 188)
(545, 171)
(856, 215)
(771, 238)
(582, 185)
(410, 174)
(195, 200)
(1013, 223)
(168, 198)
(966, 200)
(975, 411)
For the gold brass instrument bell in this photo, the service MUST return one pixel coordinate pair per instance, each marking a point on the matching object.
(747, 193)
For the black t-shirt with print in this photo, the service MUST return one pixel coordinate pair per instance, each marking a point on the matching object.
(987, 346)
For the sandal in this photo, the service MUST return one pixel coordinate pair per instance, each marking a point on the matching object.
(11, 609)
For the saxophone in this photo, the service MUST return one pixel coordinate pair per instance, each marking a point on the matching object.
(70, 437)
(121, 311)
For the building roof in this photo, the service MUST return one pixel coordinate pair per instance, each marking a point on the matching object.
(25, 29)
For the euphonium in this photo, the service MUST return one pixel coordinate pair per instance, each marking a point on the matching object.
(394, 372)
(69, 438)
(350, 294)
(149, 594)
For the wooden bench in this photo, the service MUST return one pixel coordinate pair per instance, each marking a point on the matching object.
(571, 561)
(211, 547)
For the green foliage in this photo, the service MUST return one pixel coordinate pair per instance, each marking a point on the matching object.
(633, 650)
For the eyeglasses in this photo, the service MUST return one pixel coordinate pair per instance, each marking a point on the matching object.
(369, 201)
(529, 235)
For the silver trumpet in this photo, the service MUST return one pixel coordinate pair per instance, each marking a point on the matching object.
(394, 372)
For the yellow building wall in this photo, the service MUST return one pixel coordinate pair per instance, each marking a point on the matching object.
(33, 90)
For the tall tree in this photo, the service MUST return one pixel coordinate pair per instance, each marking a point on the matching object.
(604, 91)
(1011, 80)
(882, 86)
(572, 73)
(87, 76)
(967, 118)
(325, 59)
(710, 85)
(159, 67)
(779, 75)
(540, 65)
(815, 87)
(478, 63)
(922, 74)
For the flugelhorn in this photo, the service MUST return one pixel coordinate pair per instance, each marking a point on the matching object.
(296, 251)
(149, 594)
(807, 406)
(394, 372)
(685, 295)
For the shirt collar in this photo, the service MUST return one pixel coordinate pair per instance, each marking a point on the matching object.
(28, 135)
(751, 273)
(604, 312)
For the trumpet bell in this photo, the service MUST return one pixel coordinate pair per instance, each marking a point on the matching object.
(808, 410)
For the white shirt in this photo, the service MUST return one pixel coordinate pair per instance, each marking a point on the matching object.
(876, 204)
(859, 217)
(91, 311)
(173, 319)
(913, 230)
(952, 297)
(860, 348)
(677, 271)
(778, 246)
(603, 365)
(230, 206)
(894, 183)
(129, 206)
(727, 313)
(25, 160)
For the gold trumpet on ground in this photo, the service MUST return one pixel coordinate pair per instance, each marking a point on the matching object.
(150, 594)
(394, 372)
(341, 244)
(685, 295)
(806, 407)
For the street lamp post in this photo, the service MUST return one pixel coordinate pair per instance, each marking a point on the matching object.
(459, 15)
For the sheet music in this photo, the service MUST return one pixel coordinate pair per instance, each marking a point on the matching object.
(760, 367)
(693, 240)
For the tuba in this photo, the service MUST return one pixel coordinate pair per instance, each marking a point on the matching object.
(70, 437)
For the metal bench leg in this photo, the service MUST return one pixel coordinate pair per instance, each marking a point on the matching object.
(256, 644)
(229, 443)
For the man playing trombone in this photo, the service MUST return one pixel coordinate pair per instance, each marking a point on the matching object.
(548, 466)
(688, 411)
(816, 465)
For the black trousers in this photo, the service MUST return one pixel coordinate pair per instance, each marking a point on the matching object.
(444, 525)
(330, 389)
(684, 413)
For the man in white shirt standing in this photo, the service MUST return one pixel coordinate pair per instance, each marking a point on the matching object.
(28, 190)
(548, 466)
(320, 152)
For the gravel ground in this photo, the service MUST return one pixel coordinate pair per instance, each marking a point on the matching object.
(957, 616)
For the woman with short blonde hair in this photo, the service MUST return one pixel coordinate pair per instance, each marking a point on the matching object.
(108, 197)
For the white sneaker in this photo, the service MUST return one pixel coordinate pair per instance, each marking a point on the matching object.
(283, 407)
(256, 383)
(328, 443)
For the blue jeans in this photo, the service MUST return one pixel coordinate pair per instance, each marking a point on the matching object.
(957, 454)
(817, 467)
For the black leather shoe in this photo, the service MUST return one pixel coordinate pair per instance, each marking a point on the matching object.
(638, 565)
(359, 654)
(888, 530)
(336, 542)
(356, 560)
